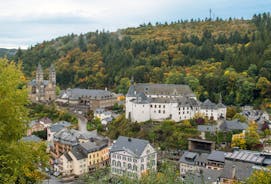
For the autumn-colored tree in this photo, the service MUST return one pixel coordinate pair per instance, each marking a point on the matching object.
(262, 176)
(252, 137)
(20, 162)
(238, 142)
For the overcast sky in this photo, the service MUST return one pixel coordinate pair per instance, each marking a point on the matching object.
(27, 22)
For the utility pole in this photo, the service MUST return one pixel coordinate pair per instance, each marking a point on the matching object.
(210, 12)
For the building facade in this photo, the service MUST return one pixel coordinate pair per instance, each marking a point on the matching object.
(84, 157)
(132, 157)
(40, 90)
(168, 101)
(88, 99)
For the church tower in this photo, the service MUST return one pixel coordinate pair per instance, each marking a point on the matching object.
(51, 88)
(52, 74)
(39, 84)
(39, 75)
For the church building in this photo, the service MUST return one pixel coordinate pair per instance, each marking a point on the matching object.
(41, 90)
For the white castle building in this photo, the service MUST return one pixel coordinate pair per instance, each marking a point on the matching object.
(168, 101)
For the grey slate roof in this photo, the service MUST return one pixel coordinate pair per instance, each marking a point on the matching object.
(71, 136)
(207, 128)
(207, 104)
(132, 145)
(189, 158)
(141, 98)
(59, 126)
(68, 157)
(242, 170)
(94, 145)
(160, 89)
(233, 125)
(218, 156)
(78, 153)
(202, 158)
(187, 102)
(77, 93)
(208, 176)
(31, 138)
(221, 105)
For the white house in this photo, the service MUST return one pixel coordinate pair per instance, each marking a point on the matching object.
(103, 115)
(167, 101)
(132, 157)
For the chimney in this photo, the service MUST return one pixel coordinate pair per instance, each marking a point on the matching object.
(233, 172)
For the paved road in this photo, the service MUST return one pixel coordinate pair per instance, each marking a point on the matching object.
(82, 123)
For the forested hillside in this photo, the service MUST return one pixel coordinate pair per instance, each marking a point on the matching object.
(231, 57)
(9, 53)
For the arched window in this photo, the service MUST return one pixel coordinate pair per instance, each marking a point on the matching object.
(118, 164)
(113, 162)
(129, 166)
(134, 167)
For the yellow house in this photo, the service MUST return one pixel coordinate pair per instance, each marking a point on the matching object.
(97, 153)
(84, 157)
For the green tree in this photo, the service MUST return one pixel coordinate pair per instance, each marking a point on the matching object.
(20, 162)
(124, 85)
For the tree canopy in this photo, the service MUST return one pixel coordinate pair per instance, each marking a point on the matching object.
(20, 162)
(227, 57)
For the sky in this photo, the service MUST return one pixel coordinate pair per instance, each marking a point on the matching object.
(27, 22)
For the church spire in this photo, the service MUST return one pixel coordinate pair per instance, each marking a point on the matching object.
(220, 98)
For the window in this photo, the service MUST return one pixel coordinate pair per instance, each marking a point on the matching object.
(164, 111)
(135, 160)
(119, 157)
(134, 167)
(159, 106)
(123, 158)
(129, 159)
(142, 167)
(164, 106)
(159, 111)
(129, 166)
(154, 106)
(151, 106)
(118, 164)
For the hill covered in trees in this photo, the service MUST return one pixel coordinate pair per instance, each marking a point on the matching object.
(9, 53)
(231, 57)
